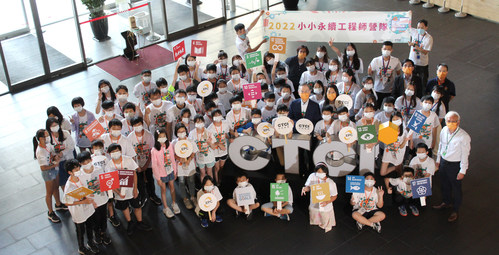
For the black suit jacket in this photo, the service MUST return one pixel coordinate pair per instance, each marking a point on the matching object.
(313, 112)
(399, 86)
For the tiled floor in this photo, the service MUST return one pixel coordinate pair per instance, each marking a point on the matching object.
(470, 47)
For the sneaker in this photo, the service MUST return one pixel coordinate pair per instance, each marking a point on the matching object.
(61, 207)
(414, 210)
(267, 214)
(84, 251)
(114, 221)
(53, 217)
(187, 203)
(377, 227)
(143, 202)
(105, 238)
(97, 239)
(155, 200)
(285, 217)
(402, 210)
(359, 225)
(219, 219)
(204, 223)
(92, 247)
(168, 212)
(143, 226)
(194, 202)
(130, 228)
(176, 209)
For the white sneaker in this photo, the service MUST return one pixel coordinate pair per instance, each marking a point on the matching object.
(168, 212)
(176, 209)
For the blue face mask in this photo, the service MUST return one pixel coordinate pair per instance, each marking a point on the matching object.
(421, 31)
(243, 36)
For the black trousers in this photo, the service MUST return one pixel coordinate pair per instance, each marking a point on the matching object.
(83, 227)
(306, 159)
(422, 72)
(452, 193)
(205, 215)
(145, 184)
(401, 200)
(100, 219)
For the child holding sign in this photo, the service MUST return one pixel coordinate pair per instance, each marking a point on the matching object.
(186, 168)
(366, 205)
(271, 208)
(403, 197)
(423, 164)
(205, 142)
(243, 183)
(82, 210)
(79, 121)
(322, 211)
(216, 215)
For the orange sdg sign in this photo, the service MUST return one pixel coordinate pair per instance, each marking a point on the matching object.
(278, 45)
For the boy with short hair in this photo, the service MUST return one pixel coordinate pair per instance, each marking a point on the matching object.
(224, 95)
(270, 208)
(79, 121)
(109, 114)
(141, 90)
(115, 136)
(242, 181)
(192, 99)
(269, 111)
(129, 111)
(238, 116)
(403, 196)
(366, 206)
(422, 163)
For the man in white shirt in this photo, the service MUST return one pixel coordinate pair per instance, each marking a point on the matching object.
(421, 45)
(453, 152)
(242, 41)
(384, 69)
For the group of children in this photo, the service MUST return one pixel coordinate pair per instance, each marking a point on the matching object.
(141, 136)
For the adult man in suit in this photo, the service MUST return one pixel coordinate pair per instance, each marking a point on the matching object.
(408, 76)
(308, 109)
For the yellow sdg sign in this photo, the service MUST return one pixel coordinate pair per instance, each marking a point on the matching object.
(304, 126)
(205, 88)
(320, 192)
(80, 193)
(183, 148)
(278, 45)
(265, 129)
(388, 133)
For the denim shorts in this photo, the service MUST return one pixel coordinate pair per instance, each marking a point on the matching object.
(168, 178)
(50, 175)
(209, 165)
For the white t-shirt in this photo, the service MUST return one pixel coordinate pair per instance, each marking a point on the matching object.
(360, 99)
(381, 117)
(350, 64)
(366, 200)
(127, 163)
(157, 116)
(269, 115)
(238, 119)
(224, 98)
(79, 213)
(126, 146)
(406, 107)
(242, 45)
(253, 192)
(424, 41)
(281, 101)
(223, 72)
(91, 180)
(67, 146)
(425, 134)
(44, 155)
(142, 146)
(333, 191)
(383, 79)
(126, 129)
(335, 128)
(427, 166)
(99, 161)
(314, 98)
(81, 138)
(352, 91)
(105, 122)
(403, 188)
(321, 128)
(66, 125)
(308, 77)
(215, 192)
(236, 88)
(220, 133)
(198, 105)
(205, 154)
(191, 168)
(142, 93)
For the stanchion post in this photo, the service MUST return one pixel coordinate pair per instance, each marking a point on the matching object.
(428, 5)
(443, 9)
(461, 14)
(152, 37)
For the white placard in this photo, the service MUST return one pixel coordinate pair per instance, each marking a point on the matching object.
(265, 129)
(205, 88)
(348, 135)
(304, 126)
(344, 100)
(283, 125)
(183, 148)
(207, 202)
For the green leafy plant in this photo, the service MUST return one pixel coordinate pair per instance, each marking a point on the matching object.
(96, 7)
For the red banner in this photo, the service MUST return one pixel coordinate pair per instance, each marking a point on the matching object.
(94, 130)
(179, 50)
(199, 48)
(109, 181)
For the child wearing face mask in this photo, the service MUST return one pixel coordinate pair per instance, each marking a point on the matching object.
(155, 114)
(192, 99)
(129, 111)
(238, 116)
(270, 208)
(186, 168)
(167, 91)
(63, 144)
(222, 65)
(205, 142)
(164, 169)
(109, 114)
(105, 92)
(321, 214)
(250, 127)
(367, 205)
(342, 121)
(428, 133)
(423, 164)
(115, 136)
(122, 96)
(238, 62)
(387, 107)
(269, 111)
(333, 74)
(286, 96)
(141, 90)
(321, 59)
(184, 80)
(281, 73)
(224, 95)
(371, 100)
(210, 74)
(403, 196)
(208, 186)
(318, 89)
(361, 96)
(242, 181)
(312, 74)
(220, 129)
(408, 103)
(324, 124)
(195, 71)
(79, 121)
(235, 85)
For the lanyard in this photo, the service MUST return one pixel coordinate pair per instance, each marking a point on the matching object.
(141, 139)
(75, 183)
(112, 140)
(348, 91)
(224, 73)
(45, 148)
(121, 165)
(335, 77)
(407, 106)
(321, 66)
(385, 68)
(238, 118)
(55, 139)
(449, 140)
(326, 126)
(420, 41)
(167, 160)
(367, 198)
(433, 108)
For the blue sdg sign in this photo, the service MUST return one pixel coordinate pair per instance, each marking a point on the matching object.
(421, 187)
(416, 122)
(355, 184)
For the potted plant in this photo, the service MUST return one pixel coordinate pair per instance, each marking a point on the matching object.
(99, 27)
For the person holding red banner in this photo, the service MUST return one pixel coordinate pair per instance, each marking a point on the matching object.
(242, 41)
(194, 71)
(106, 92)
(79, 121)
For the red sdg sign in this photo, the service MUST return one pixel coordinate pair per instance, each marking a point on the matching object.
(199, 48)
(179, 50)
(109, 181)
(94, 130)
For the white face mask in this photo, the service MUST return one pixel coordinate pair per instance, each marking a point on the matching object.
(270, 104)
(343, 117)
(47, 139)
(98, 152)
(370, 183)
(122, 97)
(407, 180)
(216, 101)
(435, 95)
(320, 54)
(164, 90)
(182, 77)
(280, 181)
(386, 53)
(199, 125)
(180, 100)
(185, 120)
(350, 53)
(344, 79)
(409, 92)
(310, 68)
(421, 155)
(256, 121)
(236, 106)
(223, 61)
(368, 86)
(138, 129)
(129, 115)
(116, 133)
(104, 89)
(156, 102)
(388, 109)
(271, 61)
(191, 63)
(109, 114)
(281, 76)
(333, 67)
(286, 95)
(191, 98)
(369, 115)
(78, 108)
(426, 107)
(261, 81)
(54, 129)
(147, 79)
(282, 115)
(182, 135)
(162, 139)
(87, 166)
(222, 90)
(317, 91)
(242, 184)
(116, 155)
(209, 188)
(326, 117)
(397, 122)
(321, 175)
(211, 75)
(236, 62)
(236, 77)
(217, 118)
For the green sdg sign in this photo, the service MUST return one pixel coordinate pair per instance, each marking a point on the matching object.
(367, 134)
(253, 59)
(279, 192)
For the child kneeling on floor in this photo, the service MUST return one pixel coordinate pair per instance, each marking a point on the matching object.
(366, 205)
(243, 182)
(403, 196)
(270, 208)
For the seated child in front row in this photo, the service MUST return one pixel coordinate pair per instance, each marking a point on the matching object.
(216, 215)
(423, 164)
(366, 206)
(322, 213)
(270, 208)
(243, 182)
(403, 196)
